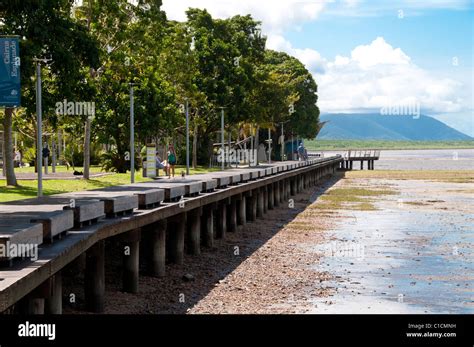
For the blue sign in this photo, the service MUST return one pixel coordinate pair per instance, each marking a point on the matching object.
(10, 89)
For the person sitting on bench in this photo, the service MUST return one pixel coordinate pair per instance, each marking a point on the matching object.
(160, 164)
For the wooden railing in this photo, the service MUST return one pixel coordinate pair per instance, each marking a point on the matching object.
(360, 154)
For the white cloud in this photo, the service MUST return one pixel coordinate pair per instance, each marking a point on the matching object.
(311, 58)
(276, 16)
(378, 52)
(377, 75)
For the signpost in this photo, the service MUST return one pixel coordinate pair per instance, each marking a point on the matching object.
(10, 89)
(151, 160)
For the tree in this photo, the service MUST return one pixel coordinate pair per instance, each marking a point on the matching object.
(226, 54)
(47, 29)
(302, 113)
(130, 38)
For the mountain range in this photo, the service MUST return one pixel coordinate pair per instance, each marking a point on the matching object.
(386, 127)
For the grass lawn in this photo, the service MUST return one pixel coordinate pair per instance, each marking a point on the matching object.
(321, 145)
(59, 168)
(27, 188)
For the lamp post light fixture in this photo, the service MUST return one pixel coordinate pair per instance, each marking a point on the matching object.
(39, 124)
(187, 136)
(132, 133)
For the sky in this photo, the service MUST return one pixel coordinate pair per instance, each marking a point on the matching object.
(366, 55)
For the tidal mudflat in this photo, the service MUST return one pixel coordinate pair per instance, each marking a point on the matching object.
(411, 253)
(373, 245)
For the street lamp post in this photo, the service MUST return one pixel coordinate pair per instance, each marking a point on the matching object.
(282, 143)
(39, 132)
(132, 135)
(269, 146)
(222, 139)
(292, 148)
(39, 124)
(187, 137)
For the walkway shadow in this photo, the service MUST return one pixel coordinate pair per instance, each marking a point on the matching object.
(185, 285)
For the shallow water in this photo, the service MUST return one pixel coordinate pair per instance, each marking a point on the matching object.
(432, 159)
(403, 258)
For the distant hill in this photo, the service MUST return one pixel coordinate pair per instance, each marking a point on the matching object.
(381, 127)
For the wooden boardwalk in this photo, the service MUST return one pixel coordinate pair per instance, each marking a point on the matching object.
(362, 156)
(65, 226)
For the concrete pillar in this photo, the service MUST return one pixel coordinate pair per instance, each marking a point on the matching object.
(176, 232)
(232, 221)
(54, 303)
(288, 189)
(131, 254)
(221, 220)
(35, 303)
(158, 248)
(35, 306)
(282, 191)
(242, 215)
(362, 165)
(260, 203)
(265, 199)
(276, 194)
(271, 198)
(252, 206)
(292, 186)
(94, 278)
(194, 232)
(207, 226)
